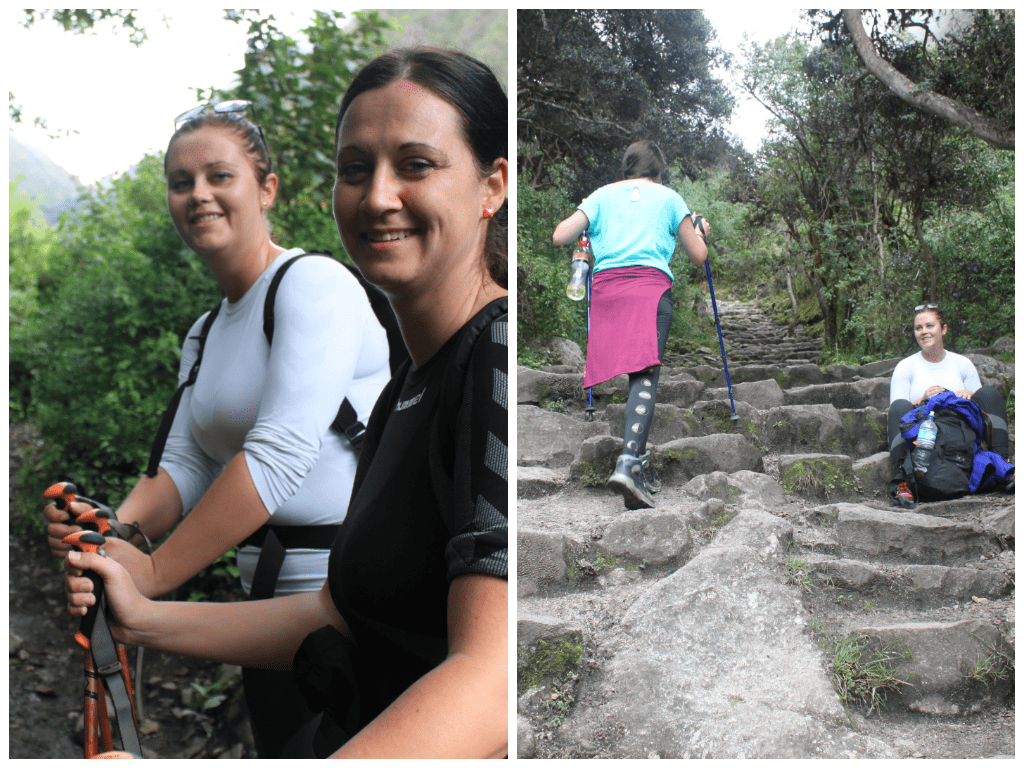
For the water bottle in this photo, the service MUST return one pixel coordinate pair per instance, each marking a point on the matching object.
(926, 434)
(577, 287)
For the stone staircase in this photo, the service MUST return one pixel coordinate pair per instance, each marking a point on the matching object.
(710, 626)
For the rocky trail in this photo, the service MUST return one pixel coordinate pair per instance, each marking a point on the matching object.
(187, 708)
(773, 603)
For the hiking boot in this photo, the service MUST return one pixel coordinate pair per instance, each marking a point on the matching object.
(1008, 488)
(904, 497)
(628, 480)
(649, 474)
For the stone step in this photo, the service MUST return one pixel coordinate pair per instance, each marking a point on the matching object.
(910, 586)
(889, 535)
(944, 660)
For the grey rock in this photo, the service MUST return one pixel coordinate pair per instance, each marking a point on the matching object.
(533, 627)
(878, 369)
(596, 458)
(541, 555)
(560, 352)
(801, 376)
(760, 394)
(669, 422)
(707, 486)
(681, 392)
(616, 577)
(867, 532)
(755, 486)
(715, 663)
(14, 644)
(685, 459)
(1000, 521)
(549, 439)
(526, 742)
(856, 394)
(535, 482)
(655, 536)
(762, 532)
(874, 472)
(803, 428)
(863, 432)
(942, 652)
(534, 387)
(817, 475)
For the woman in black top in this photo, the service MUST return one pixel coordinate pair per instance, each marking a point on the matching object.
(407, 642)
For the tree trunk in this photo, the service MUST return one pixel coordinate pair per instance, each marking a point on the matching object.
(950, 110)
(878, 234)
(929, 257)
(789, 287)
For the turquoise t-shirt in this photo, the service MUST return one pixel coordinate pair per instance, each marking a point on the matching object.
(633, 223)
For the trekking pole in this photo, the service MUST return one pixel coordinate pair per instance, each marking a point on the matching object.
(699, 223)
(106, 666)
(590, 390)
(101, 519)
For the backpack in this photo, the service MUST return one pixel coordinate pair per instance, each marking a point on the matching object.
(275, 540)
(959, 424)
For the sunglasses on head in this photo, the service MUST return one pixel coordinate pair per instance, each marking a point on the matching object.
(235, 105)
(923, 307)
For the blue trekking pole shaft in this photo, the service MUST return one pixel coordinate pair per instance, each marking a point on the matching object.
(714, 306)
(590, 390)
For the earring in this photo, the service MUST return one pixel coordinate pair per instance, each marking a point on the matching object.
(488, 213)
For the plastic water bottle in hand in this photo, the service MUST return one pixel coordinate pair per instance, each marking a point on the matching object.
(577, 287)
(926, 434)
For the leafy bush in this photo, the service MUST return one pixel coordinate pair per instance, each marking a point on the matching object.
(543, 270)
(101, 353)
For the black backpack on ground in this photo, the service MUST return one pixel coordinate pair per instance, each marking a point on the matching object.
(275, 540)
(951, 462)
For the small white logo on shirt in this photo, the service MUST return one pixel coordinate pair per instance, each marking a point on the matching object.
(402, 405)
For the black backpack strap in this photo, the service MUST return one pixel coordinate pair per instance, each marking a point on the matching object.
(397, 351)
(346, 421)
(168, 418)
(274, 542)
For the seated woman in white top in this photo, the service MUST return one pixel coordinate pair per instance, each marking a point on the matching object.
(926, 374)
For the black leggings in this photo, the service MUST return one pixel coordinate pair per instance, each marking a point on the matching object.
(643, 387)
(986, 398)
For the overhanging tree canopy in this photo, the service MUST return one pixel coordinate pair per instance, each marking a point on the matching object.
(590, 82)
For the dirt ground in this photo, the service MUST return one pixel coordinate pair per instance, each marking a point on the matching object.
(46, 680)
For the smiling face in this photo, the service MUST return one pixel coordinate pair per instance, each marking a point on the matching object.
(929, 330)
(213, 195)
(409, 200)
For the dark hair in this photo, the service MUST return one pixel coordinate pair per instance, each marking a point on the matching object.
(643, 159)
(252, 141)
(475, 93)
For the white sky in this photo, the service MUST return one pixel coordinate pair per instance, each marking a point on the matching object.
(122, 100)
(759, 23)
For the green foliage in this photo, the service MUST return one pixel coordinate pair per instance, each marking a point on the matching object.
(296, 90)
(548, 659)
(543, 270)
(100, 355)
(864, 672)
(31, 248)
(591, 81)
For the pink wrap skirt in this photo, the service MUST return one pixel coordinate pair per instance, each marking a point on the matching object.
(623, 322)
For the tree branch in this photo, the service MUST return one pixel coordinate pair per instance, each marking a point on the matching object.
(943, 107)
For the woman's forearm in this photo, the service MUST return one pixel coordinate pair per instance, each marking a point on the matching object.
(154, 503)
(257, 633)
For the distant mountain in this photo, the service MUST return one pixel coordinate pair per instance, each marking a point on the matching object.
(480, 33)
(54, 189)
